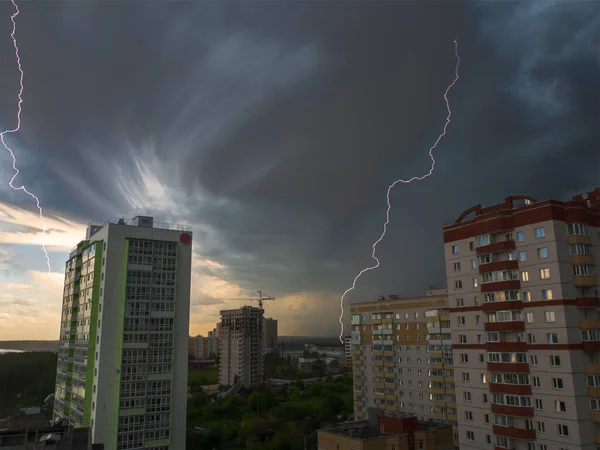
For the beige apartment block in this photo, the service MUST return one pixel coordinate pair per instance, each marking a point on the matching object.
(395, 366)
(525, 315)
(241, 340)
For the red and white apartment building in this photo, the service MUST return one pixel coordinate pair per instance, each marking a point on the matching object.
(525, 313)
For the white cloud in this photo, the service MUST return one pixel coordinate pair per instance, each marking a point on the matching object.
(19, 226)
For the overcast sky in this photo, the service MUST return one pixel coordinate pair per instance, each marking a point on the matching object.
(274, 129)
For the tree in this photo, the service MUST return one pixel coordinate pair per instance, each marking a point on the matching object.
(216, 357)
(318, 368)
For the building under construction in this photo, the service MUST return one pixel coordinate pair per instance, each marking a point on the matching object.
(241, 339)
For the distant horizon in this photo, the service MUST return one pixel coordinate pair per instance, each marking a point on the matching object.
(57, 340)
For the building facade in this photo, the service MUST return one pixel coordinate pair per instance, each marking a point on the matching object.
(387, 431)
(525, 313)
(202, 347)
(270, 335)
(122, 365)
(348, 351)
(241, 337)
(395, 367)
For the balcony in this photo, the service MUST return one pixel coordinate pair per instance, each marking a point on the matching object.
(515, 433)
(585, 281)
(515, 411)
(506, 346)
(497, 247)
(517, 325)
(502, 305)
(592, 369)
(498, 265)
(506, 285)
(516, 389)
(508, 367)
(587, 302)
(589, 324)
(580, 240)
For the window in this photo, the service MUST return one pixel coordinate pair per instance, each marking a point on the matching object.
(540, 232)
(469, 416)
(577, 229)
(471, 246)
(485, 258)
(486, 418)
(501, 420)
(526, 296)
(460, 303)
(580, 249)
(560, 406)
(544, 274)
(536, 382)
(547, 294)
(455, 249)
(531, 338)
(520, 236)
(466, 377)
(456, 267)
(477, 320)
(493, 336)
(539, 405)
(467, 396)
(533, 360)
(583, 270)
(595, 404)
(542, 253)
(473, 264)
(529, 317)
(522, 256)
(550, 316)
(541, 426)
(483, 378)
(524, 276)
(461, 320)
(475, 284)
(464, 358)
(482, 240)
(470, 436)
(557, 383)
(552, 338)
(563, 430)
(462, 338)
(416, 315)
(458, 284)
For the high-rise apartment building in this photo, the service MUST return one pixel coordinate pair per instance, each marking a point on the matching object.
(269, 335)
(525, 314)
(202, 347)
(395, 365)
(122, 365)
(241, 338)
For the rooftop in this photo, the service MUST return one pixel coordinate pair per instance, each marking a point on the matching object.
(359, 432)
(141, 221)
(65, 438)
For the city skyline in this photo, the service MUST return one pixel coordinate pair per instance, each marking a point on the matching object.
(284, 189)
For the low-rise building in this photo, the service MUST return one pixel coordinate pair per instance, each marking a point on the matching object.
(56, 437)
(384, 431)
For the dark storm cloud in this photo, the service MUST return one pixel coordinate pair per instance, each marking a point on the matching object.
(277, 127)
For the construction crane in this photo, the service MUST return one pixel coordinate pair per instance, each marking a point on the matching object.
(260, 299)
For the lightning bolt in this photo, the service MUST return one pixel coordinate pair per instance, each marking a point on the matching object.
(9, 131)
(389, 205)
